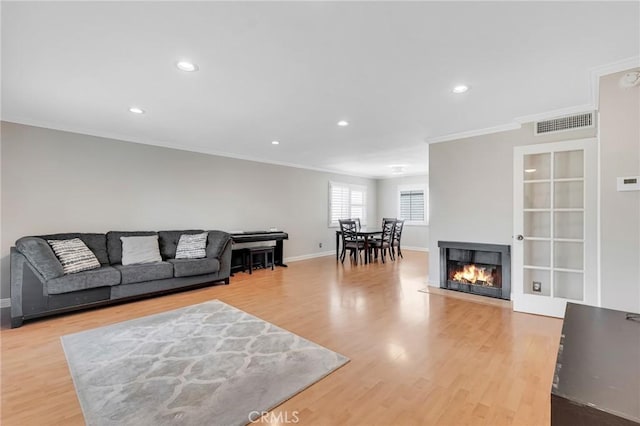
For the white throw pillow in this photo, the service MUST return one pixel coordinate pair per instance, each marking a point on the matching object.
(74, 255)
(192, 246)
(140, 250)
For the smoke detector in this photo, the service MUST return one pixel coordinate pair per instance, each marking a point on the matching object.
(630, 79)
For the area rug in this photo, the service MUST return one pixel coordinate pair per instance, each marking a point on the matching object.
(206, 364)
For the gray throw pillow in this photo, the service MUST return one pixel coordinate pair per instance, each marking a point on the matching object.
(140, 250)
(192, 246)
(74, 255)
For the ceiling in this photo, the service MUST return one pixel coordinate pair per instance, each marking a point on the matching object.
(289, 71)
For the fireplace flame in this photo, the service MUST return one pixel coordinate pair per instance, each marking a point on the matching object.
(473, 274)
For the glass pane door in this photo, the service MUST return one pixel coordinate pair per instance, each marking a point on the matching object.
(553, 224)
(568, 224)
(537, 224)
(554, 251)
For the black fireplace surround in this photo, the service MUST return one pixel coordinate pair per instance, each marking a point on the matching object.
(492, 260)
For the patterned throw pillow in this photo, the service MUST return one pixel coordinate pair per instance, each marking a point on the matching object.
(192, 246)
(74, 255)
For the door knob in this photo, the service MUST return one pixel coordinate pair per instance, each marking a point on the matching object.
(519, 237)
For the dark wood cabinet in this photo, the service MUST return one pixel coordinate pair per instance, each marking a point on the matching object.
(597, 377)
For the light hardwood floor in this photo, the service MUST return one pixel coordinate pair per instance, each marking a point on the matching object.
(416, 358)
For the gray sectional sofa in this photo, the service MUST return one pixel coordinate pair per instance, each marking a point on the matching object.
(40, 288)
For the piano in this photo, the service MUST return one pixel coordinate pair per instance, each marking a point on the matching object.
(246, 239)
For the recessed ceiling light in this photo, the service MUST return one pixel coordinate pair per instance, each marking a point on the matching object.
(460, 89)
(136, 110)
(343, 123)
(397, 170)
(530, 170)
(275, 142)
(187, 66)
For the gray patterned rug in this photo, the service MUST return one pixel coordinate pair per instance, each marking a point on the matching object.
(206, 364)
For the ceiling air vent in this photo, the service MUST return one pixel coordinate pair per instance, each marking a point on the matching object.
(561, 124)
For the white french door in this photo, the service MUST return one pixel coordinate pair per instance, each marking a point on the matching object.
(555, 209)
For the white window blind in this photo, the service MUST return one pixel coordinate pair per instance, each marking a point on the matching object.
(412, 205)
(347, 202)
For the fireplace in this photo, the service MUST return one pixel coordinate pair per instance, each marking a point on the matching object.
(483, 269)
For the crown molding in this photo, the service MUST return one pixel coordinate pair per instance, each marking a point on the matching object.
(472, 133)
(170, 145)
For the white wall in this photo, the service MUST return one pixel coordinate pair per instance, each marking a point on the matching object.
(471, 188)
(55, 181)
(413, 236)
(620, 211)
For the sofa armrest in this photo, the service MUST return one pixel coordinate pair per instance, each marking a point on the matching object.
(40, 256)
(225, 263)
(28, 289)
(217, 242)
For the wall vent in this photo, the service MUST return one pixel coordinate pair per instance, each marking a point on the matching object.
(561, 124)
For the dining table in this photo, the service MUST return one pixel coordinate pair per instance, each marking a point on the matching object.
(366, 234)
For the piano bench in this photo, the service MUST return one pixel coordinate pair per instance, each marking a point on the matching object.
(250, 252)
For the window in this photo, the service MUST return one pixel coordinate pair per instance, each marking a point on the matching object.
(412, 204)
(347, 201)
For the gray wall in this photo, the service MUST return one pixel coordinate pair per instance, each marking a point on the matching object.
(471, 188)
(55, 181)
(414, 236)
(620, 211)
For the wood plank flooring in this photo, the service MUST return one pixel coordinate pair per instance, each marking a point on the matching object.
(416, 358)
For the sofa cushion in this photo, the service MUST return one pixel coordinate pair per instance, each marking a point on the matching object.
(145, 272)
(97, 243)
(191, 267)
(74, 255)
(169, 241)
(192, 246)
(140, 249)
(41, 256)
(104, 276)
(114, 245)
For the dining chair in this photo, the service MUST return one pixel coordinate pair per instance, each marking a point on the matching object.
(350, 240)
(384, 220)
(397, 238)
(385, 241)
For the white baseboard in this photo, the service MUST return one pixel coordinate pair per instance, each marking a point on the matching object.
(309, 256)
(332, 253)
(415, 248)
(5, 303)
